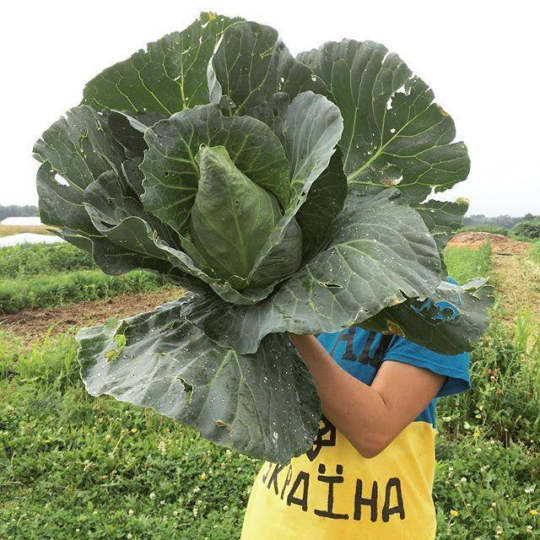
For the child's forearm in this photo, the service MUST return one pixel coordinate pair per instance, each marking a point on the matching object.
(370, 416)
(355, 408)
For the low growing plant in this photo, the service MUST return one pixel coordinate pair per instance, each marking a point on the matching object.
(286, 194)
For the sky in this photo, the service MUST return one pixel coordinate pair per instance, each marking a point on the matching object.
(481, 59)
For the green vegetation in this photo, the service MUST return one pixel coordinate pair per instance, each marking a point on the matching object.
(74, 465)
(526, 230)
(463, 264)
(32, 259)
(48, 275)
(70, 463)
(15, 210)
(504, 221)
(63, 288)
(534, 252)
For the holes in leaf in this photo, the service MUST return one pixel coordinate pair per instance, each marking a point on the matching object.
(59, 179)
(220, 423)
(188, 389)
(331, 285)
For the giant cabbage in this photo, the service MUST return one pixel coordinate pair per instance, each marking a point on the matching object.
(284, 194)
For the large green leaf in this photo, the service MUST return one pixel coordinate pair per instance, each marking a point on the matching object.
(168, 76)
(310, 130)
(251, 65)
(394, 135)
(380, 254)
(172, 172)
(263, 404)
(324, 202)
(451, 324)
(443, 218)
(75, 151)
(78, 148)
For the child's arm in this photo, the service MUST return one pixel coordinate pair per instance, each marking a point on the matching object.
(369, 416)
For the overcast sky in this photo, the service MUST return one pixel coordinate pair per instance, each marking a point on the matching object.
(481, 58)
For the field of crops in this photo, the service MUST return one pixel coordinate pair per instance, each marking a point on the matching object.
(72, 465)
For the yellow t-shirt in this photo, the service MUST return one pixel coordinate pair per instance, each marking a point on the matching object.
(332, 492)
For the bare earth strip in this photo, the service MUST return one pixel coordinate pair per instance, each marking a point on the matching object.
(8, 230)
(515, 275)
(30, 324)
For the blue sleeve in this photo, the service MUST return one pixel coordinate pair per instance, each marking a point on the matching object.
(456, 368)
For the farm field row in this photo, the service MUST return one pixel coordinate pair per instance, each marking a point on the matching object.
(74, 465)
(46, 276)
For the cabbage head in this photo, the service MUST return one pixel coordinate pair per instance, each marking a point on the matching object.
(283, 194)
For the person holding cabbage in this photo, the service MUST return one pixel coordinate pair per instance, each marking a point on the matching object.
(370, 471)
(289, 198)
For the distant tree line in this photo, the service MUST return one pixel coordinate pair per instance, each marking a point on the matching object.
(526, 227)
(504, 221)
(14, 210)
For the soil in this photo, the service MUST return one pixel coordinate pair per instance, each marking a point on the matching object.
(500, 244)
(514, 274)
(30, 324)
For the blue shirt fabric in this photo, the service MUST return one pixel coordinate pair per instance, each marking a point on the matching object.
(360, 353)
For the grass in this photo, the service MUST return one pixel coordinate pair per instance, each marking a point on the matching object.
(463, 264)
(44, 291)
(45, 275)
(73, 465)
(70, 463)
(32, 259)
(534, 252)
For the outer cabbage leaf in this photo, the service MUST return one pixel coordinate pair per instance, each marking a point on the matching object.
(250, 86)
(128, 131)
(75, 151)
(324, 202)
(443, 218)
(394, 135)
(311, 128)
(64, 206)
(449, 324)
(264, 404)
(167, 77)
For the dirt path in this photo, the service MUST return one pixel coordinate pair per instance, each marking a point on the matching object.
(30, 324)
(514, 274)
